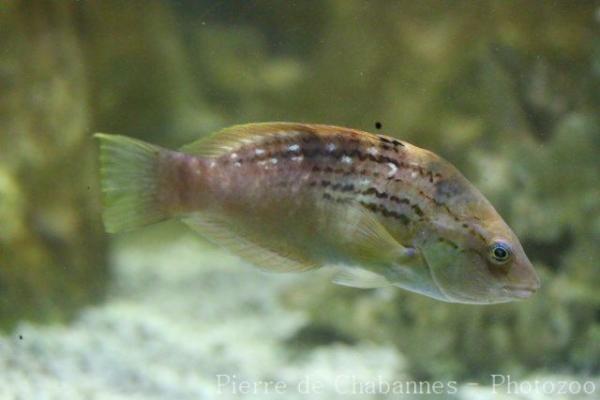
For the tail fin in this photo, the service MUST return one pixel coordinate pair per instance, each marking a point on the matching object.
(129, 170)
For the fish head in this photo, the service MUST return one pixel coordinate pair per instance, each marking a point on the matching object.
(474, 257)
(499, 273)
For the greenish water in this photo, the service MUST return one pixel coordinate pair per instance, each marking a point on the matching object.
(509, 92)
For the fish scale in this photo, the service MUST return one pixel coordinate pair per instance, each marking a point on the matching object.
(342, 164)
(295, 197)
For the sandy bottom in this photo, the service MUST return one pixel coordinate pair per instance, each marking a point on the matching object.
(185, 321)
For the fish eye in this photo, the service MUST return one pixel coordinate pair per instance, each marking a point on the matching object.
(500, 253)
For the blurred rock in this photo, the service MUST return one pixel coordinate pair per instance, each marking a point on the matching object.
(52, 249)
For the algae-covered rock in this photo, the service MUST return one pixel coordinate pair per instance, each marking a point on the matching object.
(140, 74)
(52, 249)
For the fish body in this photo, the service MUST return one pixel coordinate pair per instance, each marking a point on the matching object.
(294, 197)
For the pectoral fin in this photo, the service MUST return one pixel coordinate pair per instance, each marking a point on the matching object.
(366, 239)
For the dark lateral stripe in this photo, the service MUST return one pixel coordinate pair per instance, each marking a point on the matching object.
(328, 196)
(375, 192)
(451, 243)
(380, 208)
(376, 208)
(399, 200)
(443, 205)
(343, 187)
(395, 142)
(383, 195)
(318, 151)
(348, 187)
(312, 139)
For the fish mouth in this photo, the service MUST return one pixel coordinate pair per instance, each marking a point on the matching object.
(520, 292)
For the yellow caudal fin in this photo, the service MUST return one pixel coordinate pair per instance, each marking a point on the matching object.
(129, 182)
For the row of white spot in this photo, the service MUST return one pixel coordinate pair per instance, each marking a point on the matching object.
(330, 147)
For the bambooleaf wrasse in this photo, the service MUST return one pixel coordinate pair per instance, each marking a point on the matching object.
(295, 197)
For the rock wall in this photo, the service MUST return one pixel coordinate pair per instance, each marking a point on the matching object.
(52, 248)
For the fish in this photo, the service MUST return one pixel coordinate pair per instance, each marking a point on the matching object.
(293, 197)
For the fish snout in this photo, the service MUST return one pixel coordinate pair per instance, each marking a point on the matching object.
(521, 291)
(523, 280)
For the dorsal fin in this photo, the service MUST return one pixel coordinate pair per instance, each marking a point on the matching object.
(247, 246)
(229, 139)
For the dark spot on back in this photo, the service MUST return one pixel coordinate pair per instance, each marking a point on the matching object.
(384, 139)
(448, 188)
(417, 210)
(449, 242)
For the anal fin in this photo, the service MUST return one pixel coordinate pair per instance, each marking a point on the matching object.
(359, 278)
(251, 248)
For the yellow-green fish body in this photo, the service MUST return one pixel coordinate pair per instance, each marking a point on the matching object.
(293, 197)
